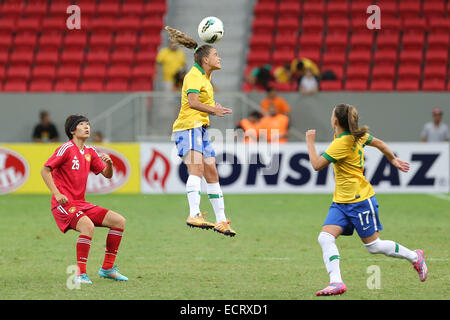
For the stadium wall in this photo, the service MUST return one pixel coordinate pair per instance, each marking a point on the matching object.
(393, 116)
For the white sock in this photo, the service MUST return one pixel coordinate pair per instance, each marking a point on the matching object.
(330, 256)
(391, 249)
(193, 190)
(215, 196)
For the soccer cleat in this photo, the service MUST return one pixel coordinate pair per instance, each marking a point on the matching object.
(420, 265)
(224, 228)
(82, 278)
(112, 273)
(333, 288)
(199, 221)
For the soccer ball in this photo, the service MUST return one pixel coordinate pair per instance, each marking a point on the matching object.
(210, 30)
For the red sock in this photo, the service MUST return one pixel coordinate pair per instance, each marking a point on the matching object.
(112, 246)
(83, 246)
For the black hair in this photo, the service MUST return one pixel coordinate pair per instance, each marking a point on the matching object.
(71, 123)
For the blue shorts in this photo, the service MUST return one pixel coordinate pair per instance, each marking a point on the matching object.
(362, 216)
(194, 139)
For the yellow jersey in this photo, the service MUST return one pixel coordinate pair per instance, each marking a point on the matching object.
(194, 81)
(171, 61)
(348, 163)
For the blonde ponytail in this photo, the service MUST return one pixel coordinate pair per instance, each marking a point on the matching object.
(181, 38)
(348, 118)
(353, 119)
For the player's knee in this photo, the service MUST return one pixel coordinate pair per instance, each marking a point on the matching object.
(121, 222)
(325, 238)
(85, 226)
(373, 247)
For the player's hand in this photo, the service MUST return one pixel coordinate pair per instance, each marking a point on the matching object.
(106, 159)
(310, 136)
(221, 111)
(401, 165)
(62, 199)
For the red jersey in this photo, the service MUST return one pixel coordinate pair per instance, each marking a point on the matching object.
(70, 170)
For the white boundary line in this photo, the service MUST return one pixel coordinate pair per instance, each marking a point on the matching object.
(441, 196)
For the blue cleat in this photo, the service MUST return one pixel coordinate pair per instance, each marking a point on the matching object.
(82, 278)
(112, 273)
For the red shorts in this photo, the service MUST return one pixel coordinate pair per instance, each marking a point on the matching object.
(67, 215)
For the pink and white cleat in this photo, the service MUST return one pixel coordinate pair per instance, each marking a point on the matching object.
(333, 288)
(420, 265)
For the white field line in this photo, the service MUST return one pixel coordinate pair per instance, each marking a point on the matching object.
(441, 196)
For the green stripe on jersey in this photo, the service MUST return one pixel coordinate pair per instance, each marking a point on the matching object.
(214, 196)
(328, 157)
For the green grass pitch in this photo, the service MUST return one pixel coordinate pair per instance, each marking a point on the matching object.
(275, 254)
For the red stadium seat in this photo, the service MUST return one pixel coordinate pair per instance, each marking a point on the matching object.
(387, 41)
(258, 57)
(410, 8)
(261, 42)
(383, 73)
(338, 24)
(359, 57)
(132, 9)
(334, 58)
(282, 56)
(94, 71)
(407, 85)
(337, 69)
(288, 10)
(72, 56)
(41, 86)
(116, 85)
(336, 42)
(362, 41)
(415, 25)
(15, 85)
(413, 41)
(264, 9)
(311, 42)
(66, 85)
(388, 8)
(355, 85)
(21, 57)
(437, 41)
(141, 85)
(68, 71)
(439, 25)
(409, 71)
(47, 57)
(122, 57)
(331, 85)
(312, 25)
(385, 57)
(337, 9)
(411, 57)
(51, 40)
(286, 41)
(357, 72)
(44, 72)
(288, 25)
(91, 85)
(433, 9)
(382, 85)
(314, 9)
(265, 25)
(433, 84)
(21, 72)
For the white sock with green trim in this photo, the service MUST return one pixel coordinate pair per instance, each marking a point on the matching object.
(193, 191)
(330, 256)
(215, 196)
(391, 249)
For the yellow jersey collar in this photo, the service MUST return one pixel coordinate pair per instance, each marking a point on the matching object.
(345, 133)
(199, 68)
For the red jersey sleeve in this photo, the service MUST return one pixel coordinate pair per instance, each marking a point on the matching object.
(57, 159)
(97, 164)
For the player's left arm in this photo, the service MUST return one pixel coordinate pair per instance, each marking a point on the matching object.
(317, 162)
(108, 171)
(384, 148)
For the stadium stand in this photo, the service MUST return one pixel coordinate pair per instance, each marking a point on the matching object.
(115, 49)
(409, 52)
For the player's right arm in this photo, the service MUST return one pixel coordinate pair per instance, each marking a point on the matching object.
(384, 148)
(46, 173)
